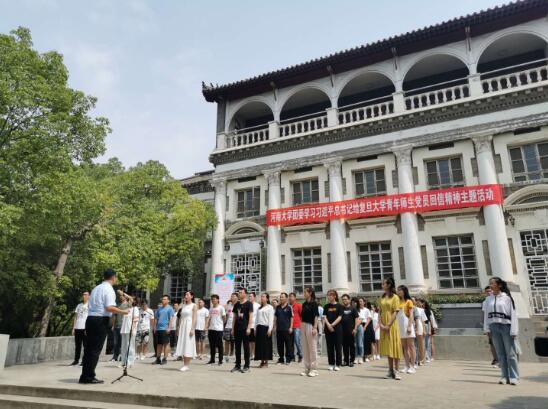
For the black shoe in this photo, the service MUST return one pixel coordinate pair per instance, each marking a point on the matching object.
(210, 362)
(493, 362)
(74, 363)
(288, 362)
(220, 363)
(236, 369)
(351, 364)
(300, 359)
(179, 358)
(164, 361)
(344, 364)
(157, 362)
(280, 362)
(246, 369)
(91, 381)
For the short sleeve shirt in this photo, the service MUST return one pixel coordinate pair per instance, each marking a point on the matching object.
(201, 316)
(297, 312)
(216, 315)
(283, 317)
(163, 317)
(332, 311)
(101, 297)
(81, 316)
(144, 319)
(309, 312)
(349, 318)
(241, 313)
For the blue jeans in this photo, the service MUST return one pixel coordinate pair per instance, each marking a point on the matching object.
(506, 350)
(359, 342)
(428, 346)
(297, 338)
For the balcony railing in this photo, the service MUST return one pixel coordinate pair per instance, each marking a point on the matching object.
(303, 124)
(437, 96)
(365, 110)
(515, 79)
(507, 79)
(247, 136)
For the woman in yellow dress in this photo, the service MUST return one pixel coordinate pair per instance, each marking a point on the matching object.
(389, 305)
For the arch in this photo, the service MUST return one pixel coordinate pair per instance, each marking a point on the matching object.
(369, 83)
(251, 227)
(250, 112)
(511, 48)
(304, 100)
(436, 67)
(527, 195)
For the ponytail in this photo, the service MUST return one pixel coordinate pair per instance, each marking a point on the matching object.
(504, 288)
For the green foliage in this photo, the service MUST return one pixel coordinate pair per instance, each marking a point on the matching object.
(435, 300)
(54, 200)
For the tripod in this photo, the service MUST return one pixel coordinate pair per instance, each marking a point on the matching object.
(124, 373)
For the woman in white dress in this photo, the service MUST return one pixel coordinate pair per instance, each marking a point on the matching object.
(186, 344)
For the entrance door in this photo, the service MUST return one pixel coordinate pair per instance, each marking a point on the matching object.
(247, 271)
(534, 244)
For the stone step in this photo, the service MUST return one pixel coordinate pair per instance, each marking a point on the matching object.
(34, 402)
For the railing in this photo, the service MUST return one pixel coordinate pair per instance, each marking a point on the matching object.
(515, 79)
(437, 97)
(293, 126)
(367, 110)
(247, 136)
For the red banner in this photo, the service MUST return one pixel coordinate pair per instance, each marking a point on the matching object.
(417, 202)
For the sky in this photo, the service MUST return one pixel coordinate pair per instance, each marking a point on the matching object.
(145, 59)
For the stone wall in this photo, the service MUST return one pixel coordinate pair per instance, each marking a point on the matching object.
(35, 350)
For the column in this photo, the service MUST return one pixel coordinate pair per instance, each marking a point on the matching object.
(274, 241)
(217, 247)
(332, 117)
(499, 253)
(273, 130)
(337, 229)
(409, 226)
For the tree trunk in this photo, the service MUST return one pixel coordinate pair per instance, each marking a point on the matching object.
(59, 270)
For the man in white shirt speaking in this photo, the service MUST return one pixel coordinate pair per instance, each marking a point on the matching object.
(101, 306)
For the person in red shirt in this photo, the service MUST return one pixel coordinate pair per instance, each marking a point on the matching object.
(297, 311)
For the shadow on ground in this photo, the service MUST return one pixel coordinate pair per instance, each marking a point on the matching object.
(522, 402)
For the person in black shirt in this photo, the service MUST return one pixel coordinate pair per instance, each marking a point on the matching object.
(309, 341)
(349, 325)
(241, 328)
(283, 322)
(333, 312)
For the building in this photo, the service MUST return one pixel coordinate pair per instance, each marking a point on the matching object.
(461, 103)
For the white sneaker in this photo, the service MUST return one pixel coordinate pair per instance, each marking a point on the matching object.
(405, 369)
(427, 361)
(331, 368)
(378, 357)
(336, 369)
(312, 374)
(366, 359)
(416, 367)
(411, 370)
(397, 377)
(359, 362)
(304, 373)
(514, 381)
(184, 369)
(503, 381)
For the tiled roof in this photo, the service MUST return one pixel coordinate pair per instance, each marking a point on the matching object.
(428, 37)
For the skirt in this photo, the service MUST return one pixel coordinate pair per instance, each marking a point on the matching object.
(369, 338)
(263, 344)
(403, 323)
(186, 345)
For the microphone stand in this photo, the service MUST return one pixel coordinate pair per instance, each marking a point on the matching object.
(124, 373)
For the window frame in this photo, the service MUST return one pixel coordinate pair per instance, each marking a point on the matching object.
(440, 185)
(363, 171)
(301, 182)
(256, 200)
(316, 278)
(448, 262)
(372, 281)
(538, 160)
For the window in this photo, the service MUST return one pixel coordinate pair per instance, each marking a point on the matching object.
(305, 191)
(444, 173)
(307, 269)
(370, 182)
(177, 286)
(529, 162)
(249, 202)
(375, 264)
(456, 262)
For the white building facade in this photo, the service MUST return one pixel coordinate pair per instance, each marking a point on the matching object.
(463, 103)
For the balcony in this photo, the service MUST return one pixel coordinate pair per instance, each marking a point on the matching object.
(513, 63)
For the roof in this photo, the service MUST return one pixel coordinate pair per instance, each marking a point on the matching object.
(450, 31)
(198, 177)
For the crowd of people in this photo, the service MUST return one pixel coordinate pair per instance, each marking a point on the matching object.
(396, 326)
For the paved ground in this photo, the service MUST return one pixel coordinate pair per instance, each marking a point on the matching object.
(447, 384)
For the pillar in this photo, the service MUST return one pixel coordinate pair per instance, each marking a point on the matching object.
(217, 247)
(337, 230)
(399, 102)
(409, 225)
(332, 117)
(274, 241)
(499, 253)
(273, 130)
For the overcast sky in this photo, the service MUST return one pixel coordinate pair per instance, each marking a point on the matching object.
(145, 60)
